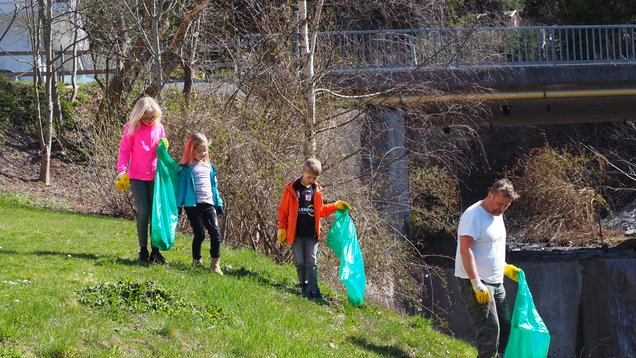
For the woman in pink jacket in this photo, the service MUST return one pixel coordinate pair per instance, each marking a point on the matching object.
(138, 158)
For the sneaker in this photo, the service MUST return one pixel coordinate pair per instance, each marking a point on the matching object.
(155, 257)
(317, 297)
(196, 262)
(143, 256)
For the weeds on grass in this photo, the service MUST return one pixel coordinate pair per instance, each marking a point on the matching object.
(143, 297)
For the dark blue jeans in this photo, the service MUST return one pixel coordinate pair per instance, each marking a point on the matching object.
(492, 319)
(142, 191)
(202, 217)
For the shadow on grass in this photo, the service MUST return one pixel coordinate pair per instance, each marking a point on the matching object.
(243, 272)
(99, 259)
(385, 351)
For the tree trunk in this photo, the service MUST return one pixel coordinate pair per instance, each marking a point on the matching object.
(171, 57)
(45, 16)
(309, 147)
(189, 59)
(156, 44)
(188, 79)
(76, 25)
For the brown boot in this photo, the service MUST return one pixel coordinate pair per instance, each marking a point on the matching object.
(215, 265)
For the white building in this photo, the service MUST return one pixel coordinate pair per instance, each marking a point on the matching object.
(15, 38)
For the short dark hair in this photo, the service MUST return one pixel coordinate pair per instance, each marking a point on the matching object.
(504, 186)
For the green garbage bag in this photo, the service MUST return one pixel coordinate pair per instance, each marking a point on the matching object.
(529, 337)
(164, 202)
(343, 240)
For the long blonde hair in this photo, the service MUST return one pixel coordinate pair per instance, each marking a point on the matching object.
(194, 140)
(143, 105)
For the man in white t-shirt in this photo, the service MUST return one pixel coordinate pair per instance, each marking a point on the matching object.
(480, 264)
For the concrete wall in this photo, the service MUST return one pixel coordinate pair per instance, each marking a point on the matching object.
(385, 165)
(588, 304)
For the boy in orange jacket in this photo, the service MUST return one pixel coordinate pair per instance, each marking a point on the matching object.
(299, 216)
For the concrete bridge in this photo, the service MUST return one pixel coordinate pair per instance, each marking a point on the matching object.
(538, 74)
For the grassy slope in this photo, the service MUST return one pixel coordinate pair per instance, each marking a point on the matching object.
(47, 256)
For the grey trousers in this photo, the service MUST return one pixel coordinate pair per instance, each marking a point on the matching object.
(142, 193)
(492, 320)
(305, 252)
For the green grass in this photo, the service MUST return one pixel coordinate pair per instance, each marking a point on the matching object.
(52, 260)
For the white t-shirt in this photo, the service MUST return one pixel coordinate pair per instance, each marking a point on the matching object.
(489, 233)
(202, 183)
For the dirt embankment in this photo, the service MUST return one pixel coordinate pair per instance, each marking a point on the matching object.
(71, 185)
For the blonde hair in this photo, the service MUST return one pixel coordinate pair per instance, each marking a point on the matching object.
(194, 140)
(313, 166)
(143, 105)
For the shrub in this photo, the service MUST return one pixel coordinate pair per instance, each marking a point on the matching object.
(434, 203)
(559, 203)
(17, 107)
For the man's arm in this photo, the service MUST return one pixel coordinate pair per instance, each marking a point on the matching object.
(468, 260)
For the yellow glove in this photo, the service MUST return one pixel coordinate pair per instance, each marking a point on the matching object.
(281, 236)
(165, 142)
(481, 292)
(341, 204)
(122, 182)
(512, 272)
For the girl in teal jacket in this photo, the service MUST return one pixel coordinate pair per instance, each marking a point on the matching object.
(198, 193)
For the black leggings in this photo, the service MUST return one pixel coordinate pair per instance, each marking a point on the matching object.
(202, 217)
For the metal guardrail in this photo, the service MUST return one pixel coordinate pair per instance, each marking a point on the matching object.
(379, 50)
(373, 50)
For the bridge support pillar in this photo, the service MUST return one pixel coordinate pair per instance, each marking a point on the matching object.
(386, 166)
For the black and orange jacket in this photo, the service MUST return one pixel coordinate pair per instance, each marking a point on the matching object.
(288, 210)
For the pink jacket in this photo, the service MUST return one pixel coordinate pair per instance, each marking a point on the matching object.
(138, 152)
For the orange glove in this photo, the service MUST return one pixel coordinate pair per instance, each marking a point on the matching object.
(281, 236)
(122, 182)
(341, 204)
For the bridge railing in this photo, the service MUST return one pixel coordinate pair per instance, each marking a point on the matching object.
(374, 50)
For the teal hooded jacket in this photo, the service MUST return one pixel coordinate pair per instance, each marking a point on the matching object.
(186, 195)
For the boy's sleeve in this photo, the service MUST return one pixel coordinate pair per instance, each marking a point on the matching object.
(283, 211)
(328, 209)
(125, 145)
(181, 186)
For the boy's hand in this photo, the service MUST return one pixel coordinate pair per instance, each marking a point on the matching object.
(122, 182)
(281, 236)
(218, 210)
(512, 272)
(341, 204)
